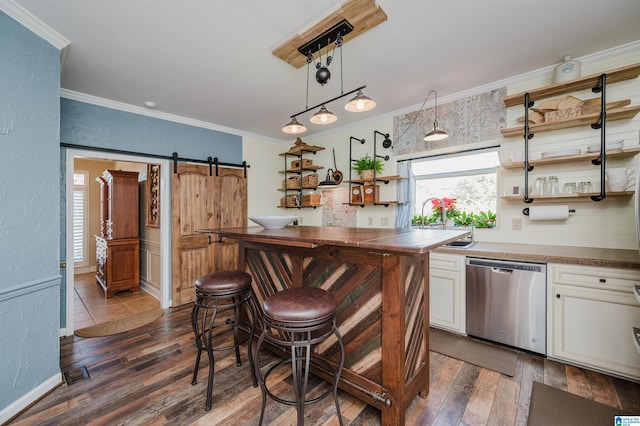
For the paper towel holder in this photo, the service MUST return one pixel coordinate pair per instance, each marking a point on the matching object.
(525, 211)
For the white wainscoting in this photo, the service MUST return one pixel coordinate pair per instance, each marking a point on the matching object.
(150, 271)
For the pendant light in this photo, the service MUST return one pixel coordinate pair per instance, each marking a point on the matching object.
(294, 127)
(436, 134)
(323, 116)
(360, 103)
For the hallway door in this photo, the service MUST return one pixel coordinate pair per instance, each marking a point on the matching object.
(200, 201)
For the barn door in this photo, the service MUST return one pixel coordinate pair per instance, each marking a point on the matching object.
(200, 201)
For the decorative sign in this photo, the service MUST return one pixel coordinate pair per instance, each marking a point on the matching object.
(153, 195)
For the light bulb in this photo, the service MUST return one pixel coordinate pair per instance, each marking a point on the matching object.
(360, 104)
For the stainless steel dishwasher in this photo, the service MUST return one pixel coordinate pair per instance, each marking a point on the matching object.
(506, 302)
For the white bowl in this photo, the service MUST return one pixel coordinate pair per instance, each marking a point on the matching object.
(273, 222)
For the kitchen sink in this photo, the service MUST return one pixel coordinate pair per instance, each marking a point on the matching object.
(460, 244)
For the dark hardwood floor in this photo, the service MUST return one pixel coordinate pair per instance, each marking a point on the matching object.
(143, 377)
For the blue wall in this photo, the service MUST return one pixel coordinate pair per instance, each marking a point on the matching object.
(97, 126)
(29, 211)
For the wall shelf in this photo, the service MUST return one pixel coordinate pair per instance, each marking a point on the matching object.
(597, 121)
(301, 174)
(613, 76)
(567, 123)
(618, 153)
(384, 179)
(567, 196)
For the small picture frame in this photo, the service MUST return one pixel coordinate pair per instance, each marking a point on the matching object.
(515, 190)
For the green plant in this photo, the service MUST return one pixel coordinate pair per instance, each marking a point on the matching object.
(367, 163)
(418, 220)
(484, 219)
(464, 219)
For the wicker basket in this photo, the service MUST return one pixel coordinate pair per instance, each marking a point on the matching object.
(295, 164)
(292, 182)
(290, 200)
(311, 199)
(310, 181)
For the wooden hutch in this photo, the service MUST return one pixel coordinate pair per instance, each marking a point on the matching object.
(118, 246)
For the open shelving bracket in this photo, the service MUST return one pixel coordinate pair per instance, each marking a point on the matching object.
(601, 124)
(386, 143)
(527, 168)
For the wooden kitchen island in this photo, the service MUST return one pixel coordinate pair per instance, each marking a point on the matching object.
(379, 278)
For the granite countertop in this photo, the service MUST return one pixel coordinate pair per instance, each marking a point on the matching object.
(410, 242)
(613, 258)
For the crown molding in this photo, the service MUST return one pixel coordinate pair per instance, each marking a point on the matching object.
(34, 24)
(134, 109)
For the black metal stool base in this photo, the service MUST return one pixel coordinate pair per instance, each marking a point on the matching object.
(300, 339)
(203, 324)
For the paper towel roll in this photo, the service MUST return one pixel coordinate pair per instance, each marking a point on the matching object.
(554, 212)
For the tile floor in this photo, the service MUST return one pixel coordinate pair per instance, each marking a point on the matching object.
(91, 307)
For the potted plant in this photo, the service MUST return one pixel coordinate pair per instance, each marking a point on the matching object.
(365, 166)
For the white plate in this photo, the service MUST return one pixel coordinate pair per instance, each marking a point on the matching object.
(617, 144)
(561, 153)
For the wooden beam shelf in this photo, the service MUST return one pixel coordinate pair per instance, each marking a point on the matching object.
(620, 153)
(588, 82)
(566, 196)
(582, 120)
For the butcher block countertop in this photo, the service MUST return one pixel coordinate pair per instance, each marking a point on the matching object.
(612, 258)
(410, 242)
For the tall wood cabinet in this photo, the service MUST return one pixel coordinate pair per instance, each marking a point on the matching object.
(118, 246)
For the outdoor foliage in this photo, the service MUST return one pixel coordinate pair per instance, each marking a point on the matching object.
(484, 219)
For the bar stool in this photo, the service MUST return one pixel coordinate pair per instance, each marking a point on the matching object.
(220, 291)
(299, 318)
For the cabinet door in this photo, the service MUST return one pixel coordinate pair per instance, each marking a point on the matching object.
(594, 328)
(447, 292)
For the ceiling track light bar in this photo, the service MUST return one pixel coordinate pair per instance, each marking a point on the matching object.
(327, 102)
(326, 38)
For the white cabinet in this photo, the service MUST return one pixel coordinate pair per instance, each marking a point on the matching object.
(591, 314)
(447, 292)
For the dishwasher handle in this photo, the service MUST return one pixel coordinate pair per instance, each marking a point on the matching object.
(502, 270)
(503, 265)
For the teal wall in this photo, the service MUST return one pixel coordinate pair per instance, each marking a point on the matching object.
(97, 126)
(29, 211)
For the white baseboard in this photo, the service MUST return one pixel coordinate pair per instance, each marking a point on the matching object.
(84, 270)
(31, 397)
(148, 288)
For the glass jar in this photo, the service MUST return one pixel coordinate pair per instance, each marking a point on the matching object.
(540, 187)
(553, 187)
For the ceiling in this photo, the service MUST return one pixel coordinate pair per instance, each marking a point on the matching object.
(212, 60)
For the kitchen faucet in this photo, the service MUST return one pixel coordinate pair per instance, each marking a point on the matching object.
(443, 209)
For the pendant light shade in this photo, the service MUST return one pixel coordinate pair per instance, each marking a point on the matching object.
(328, 183)
(360, 103)
(436, 134)
(323, 116)
(294, 127)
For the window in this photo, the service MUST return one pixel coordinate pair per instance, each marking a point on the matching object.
(80, 202)
(469, 177)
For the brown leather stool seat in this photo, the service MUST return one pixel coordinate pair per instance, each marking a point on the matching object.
(215, 292)
(299, 318)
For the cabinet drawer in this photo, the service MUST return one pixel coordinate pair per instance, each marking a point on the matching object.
(594, 277)
(447, 262)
